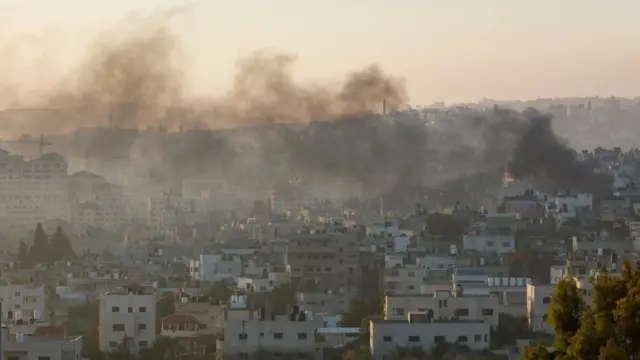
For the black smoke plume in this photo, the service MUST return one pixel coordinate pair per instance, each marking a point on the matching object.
(542, 156)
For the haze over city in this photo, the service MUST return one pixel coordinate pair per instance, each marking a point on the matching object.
(452, 51)
(335, 180)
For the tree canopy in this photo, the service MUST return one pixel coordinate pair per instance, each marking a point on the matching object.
(605, 328)
(47, 250)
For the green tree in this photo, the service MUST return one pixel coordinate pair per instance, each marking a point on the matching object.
(408, 353)
(359, 353)
(23, 255)
(164, 348)
(612, 351)
(220, 291)
(565, 312)
(39, 252)
(84, 320)
(537, 352)
(362, 309)
(60, 246)
(585, 344)
(607, 329)
(164, 307)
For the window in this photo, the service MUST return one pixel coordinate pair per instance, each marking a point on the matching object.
(439, 339)
(17, 293)
(242, 336)
(115, 309)
(142, 327)
(477, 338)
(414, 338)
(397, 311)
(546, 300)
(243, 355)
(143, 309)
(302, 336)
(113, 344)
(461, 312)
(544, 317)
(143, 344)
(130, 309)
(394, 273)
(506, 244)
(489, 243)
(117, 327)
(411, 274)
(278, 336)
(13, 357)
(462, 338)
(487, 312)
(44, 358)
(387, 338)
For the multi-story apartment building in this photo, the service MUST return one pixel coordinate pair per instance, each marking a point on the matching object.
(420, 331)
(268, 336)
(22, 301)
(166, 211)
(127, 318)
(444, 305)
(329, 260)
(538, 301)
(33, 191)
(405, 279)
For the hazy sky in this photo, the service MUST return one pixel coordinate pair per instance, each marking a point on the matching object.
(449, 50)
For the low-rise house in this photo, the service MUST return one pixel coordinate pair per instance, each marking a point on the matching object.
(21, 346)
(268, 335)
(328, 302)
(486, 242)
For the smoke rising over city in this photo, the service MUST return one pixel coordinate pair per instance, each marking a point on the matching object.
(133, 77)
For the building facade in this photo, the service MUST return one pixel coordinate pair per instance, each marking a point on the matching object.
(127, 319)
(329, 260)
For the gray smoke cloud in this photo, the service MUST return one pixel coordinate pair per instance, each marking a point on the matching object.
(134, 75)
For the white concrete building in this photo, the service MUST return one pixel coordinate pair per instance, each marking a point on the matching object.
(166, 211)
(489, 243)
(538, 301)
(436, 262)
(387, 335)
(405, 279)
(32, 191)
(278, 336)
(568, 205)
(22, 301)
(255, 284)
(129, 318)
(30, 347)
(215, 267)
(382, 230)
(445, 306)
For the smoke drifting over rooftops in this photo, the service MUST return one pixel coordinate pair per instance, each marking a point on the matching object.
(138, 69)
(134, 76)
